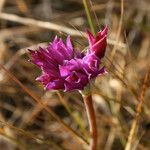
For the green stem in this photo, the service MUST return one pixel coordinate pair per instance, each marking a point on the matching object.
(89, 16)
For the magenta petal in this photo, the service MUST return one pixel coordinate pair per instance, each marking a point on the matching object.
(55, 85)
(56, 55)
(102, 71)
(100, 47)
(44, 78)
(91, 38)
(104, 31)
(70, 86)
(98, 44)
(62, 68)
(59, 51)
(40, 56)
(73, 78)
(64, 51)
(69, 46)
(42, 59)
(76, 80)
(91, 64)
(64, 71)
(37, 57)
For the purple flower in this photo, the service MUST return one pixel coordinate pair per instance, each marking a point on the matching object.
(63, 68)
(98, 44)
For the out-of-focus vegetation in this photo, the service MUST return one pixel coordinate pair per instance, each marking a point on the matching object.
(34, 119)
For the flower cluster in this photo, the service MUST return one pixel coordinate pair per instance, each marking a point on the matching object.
(64, 68)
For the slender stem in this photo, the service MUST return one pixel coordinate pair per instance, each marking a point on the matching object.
(89, 16)
(92, 120)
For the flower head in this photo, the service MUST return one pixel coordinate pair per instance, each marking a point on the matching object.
(98, 43)
(63, 68)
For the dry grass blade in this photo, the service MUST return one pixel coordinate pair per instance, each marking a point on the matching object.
(2, 2)
(42, 24)
(51, 26)
(21, 52)
(21, 4)
(37, 100)
(122, 79)
(138, 112)
(76, 119)
(119, 31)
(13, 140)
(28, 134)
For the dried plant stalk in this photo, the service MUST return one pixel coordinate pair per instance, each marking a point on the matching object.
(2, 2)
(134, 126)
(118, 32)
(51, 26)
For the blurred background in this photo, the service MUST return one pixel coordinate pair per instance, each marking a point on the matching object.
(26, 124)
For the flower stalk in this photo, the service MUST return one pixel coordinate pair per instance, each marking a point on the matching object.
(91, 119)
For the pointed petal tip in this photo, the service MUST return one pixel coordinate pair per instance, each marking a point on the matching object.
(30, 50)
(56, 37)
(38, 78)
(46, 87)
(69, 45)
(89, 33)
(68, 40)
(104, 32)
(90, 37)
(29, 60)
